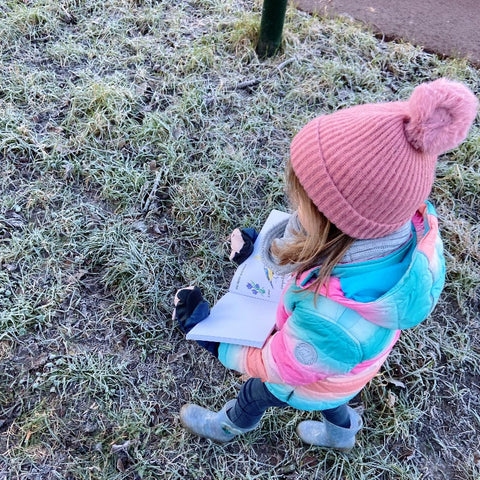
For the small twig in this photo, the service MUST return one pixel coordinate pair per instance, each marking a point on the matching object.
(285, 63)
(256, 81)
(246, 84)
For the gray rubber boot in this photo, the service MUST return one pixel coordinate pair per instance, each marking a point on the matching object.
(213, 425)
(326, 434)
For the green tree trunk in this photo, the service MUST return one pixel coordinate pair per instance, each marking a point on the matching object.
(271, 27)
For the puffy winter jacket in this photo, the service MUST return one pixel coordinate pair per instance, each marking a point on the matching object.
(324, 350)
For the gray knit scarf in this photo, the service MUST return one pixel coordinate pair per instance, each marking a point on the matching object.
(360, 250)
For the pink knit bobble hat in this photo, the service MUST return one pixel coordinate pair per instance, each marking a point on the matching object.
(368, 168)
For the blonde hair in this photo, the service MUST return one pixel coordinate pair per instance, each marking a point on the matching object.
(319, 242)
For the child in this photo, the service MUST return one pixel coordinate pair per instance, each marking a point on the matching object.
(366, 256)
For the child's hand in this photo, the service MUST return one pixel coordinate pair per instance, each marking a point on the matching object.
(241, 243)
(190, 308)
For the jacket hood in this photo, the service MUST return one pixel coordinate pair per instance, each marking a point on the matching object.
(410, 299)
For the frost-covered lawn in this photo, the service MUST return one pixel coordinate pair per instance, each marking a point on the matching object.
(134, 136)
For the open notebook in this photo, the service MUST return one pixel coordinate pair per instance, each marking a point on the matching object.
(246, 314)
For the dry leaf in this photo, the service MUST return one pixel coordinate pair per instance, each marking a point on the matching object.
(120, 465)
(122, 447)
(76, 276)
(173, 357)
(397, 383)
(407, 454)
(38, 361)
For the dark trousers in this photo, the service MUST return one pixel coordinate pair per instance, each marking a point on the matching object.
(254, 399)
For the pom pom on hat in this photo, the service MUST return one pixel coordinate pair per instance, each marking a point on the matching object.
(368, 168)
(441, 113)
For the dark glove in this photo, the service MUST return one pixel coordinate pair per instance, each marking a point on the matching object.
(191, 308)
(242, 242)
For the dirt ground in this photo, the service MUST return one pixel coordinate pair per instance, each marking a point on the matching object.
(445, 27)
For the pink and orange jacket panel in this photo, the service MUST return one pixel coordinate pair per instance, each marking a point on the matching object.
(323, 352)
